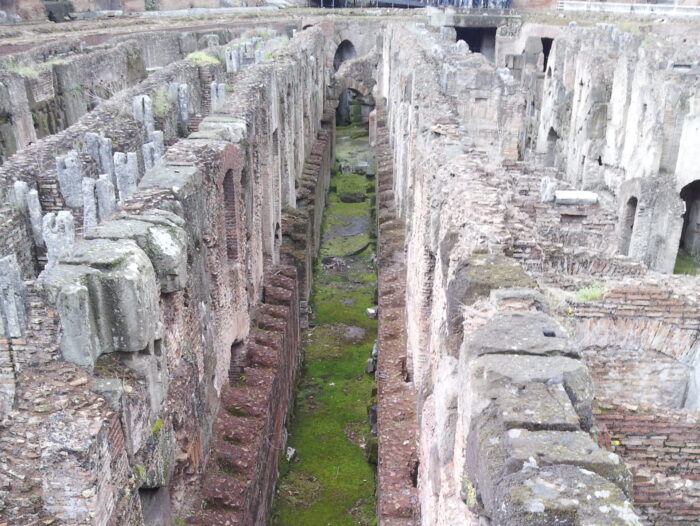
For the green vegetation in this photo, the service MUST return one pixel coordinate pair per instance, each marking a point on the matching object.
(686, 264)
(157, 426)
(28, 70)
(200, 58)
(162, 102)
(330, 481)
(593, 292)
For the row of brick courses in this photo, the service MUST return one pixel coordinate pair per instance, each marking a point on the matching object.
(397, 431)
(663, 452)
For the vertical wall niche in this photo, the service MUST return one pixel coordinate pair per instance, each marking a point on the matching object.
(231, 217)
(546, 48)
(237, 364)
(628, 225)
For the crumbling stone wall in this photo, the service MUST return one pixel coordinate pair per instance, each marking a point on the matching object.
(482, 355)
(615, 115)
(152, 303)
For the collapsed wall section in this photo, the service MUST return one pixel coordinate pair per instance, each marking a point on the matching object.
(504, 400)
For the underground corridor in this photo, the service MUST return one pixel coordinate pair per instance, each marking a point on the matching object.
(328, 473)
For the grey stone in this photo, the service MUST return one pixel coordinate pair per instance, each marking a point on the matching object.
(370, 366)
(143, 112)
(111, 389)
(493, 453)
(548, 188)
(12, 299)
(160, 237)
(19, 195)
(520, 333)
(70, 177)
(519, 298)
(106, 197)
(575, 197)
(561, 495)
(149, 155)
(89, 205)
(159, 143)
(35, 217)
(126, 170)
(496, 375)
(183, 103)
(233, 59)
(58, 231)
(106, 296)
(100, 150)
(537, 406)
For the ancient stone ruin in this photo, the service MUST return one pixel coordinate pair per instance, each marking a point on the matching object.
(294, 266)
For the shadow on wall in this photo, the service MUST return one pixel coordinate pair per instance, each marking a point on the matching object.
(479, 39)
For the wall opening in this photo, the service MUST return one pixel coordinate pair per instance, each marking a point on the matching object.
(231, 216)
(345, 51)
(546, 48)
(552, 138)
(689, 248)
(628, 225)
(353, 108)
(479, 39)
(155, 506)
(237, 365)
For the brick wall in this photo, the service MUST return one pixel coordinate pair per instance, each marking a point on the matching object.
(663, 452)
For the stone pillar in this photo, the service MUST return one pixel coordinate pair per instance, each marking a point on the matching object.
(106, 199)
(126, 170)
(233, 59)
(35, 214)
(218, 95)
(143, 112)
(548, 188)
(373, 128)
(12, 299)
(89, 205)
(59, 235)
(183, 104)
(70, 177)
(100, 149)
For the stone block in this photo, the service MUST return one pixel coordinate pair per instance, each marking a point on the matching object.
(575, 197)
(106, 197)
(161, 237)
(106, 296)
(12, 299)
(89, 205)
(35, 217)
(58, 231)
(143, 112)
(531, 333)
(100, 150)
(548, 189)
(70, 178)
(126, 171)
(561, 495)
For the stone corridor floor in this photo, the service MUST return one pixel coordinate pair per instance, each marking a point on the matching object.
(330, 480)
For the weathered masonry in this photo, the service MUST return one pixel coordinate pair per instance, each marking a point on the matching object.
(161, 195)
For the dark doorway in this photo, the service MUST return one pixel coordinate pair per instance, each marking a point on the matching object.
(546, 48)
(345, 51)
(552, 139)
(628, 225)
(155, 506)
(690, 238)
(479, 39)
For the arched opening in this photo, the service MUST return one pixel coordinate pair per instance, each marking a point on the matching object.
(231, 217)
(479, 39)
(552, 138)
(628, 225)
(688, 258)
(546, 48)
(345, 51)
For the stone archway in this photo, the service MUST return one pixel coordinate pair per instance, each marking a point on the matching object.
(345, 51)
(628, 225)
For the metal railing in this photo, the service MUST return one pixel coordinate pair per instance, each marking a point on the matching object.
(683, 11)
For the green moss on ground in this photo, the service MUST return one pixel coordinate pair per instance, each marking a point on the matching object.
(330, 481)
(686, 264)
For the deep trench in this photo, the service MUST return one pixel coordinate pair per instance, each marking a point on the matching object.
(328, 473)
